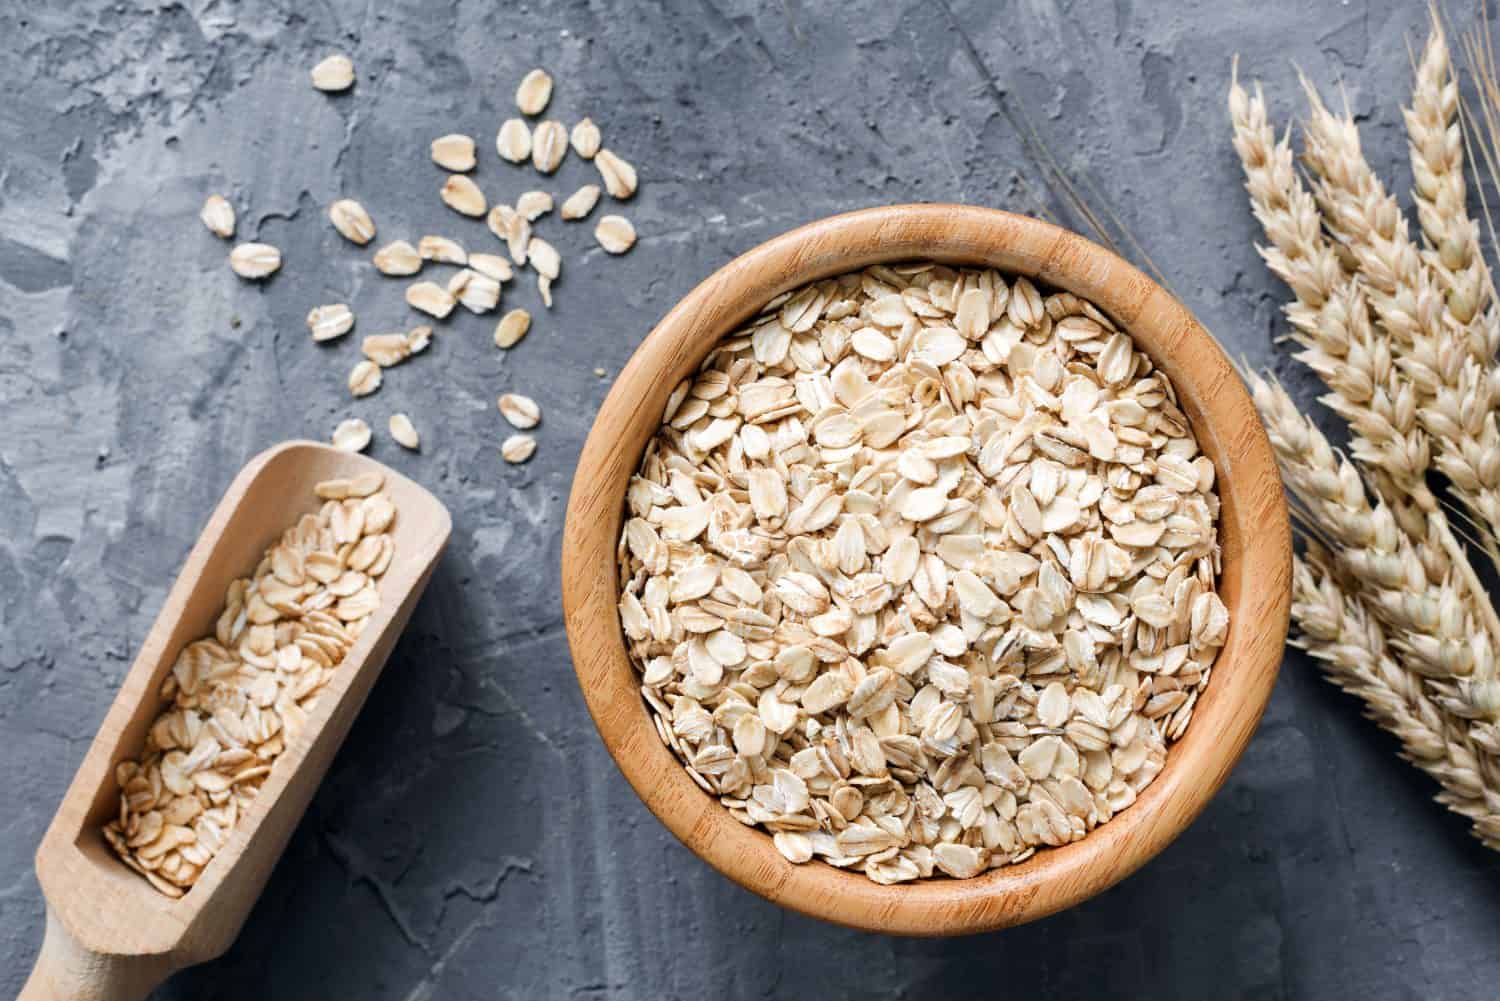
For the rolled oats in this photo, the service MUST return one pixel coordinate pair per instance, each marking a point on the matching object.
(333, 74)
(534, 91)
(398, 258)
(352, 221)
(218, 215)
(512, 227)
(330, 322)
(544, 258)
(549, 144)
(511, 328)
(581, 202)
(618, 175)
(479, 293)
(431, 298)
(462, 195)
(517, 448)
(404, 432)
(365, 378)
(534, 204)
(442, 250)
(919, 571)
(238, 698)
(454, 152)
(585, 138)
(493, 266)
(615, 234)
(513, 141)
(387, 350)
(352, 435)
(520, 411)
(255, 260)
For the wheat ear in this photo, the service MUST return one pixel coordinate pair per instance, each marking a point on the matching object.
(1330, 317)
(1298, 253)
(1432, 355)
(1433, 621)
(1334, 628)
(1437, 164)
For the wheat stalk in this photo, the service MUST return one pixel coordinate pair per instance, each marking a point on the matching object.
(1335, 629)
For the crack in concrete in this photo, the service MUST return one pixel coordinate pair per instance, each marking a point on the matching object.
(423, 989)
(512, 706)
(343, 854)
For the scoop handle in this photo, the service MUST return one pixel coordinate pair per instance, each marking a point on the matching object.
(67, 971)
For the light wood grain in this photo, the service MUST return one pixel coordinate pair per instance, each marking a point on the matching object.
(1254, 532)
(110, 935)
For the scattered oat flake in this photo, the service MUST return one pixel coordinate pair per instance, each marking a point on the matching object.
(352, 221)
(365, 378)
(615, 234)
(462, 195)
(218, 215)
(454, 152)
(521, 411)
(442, 250)
(534, 204)
(549, 145)
(255, 260)
(581, 202)
(404, 432)
(513, 141)
(493, 265)
(512, 227)
(534, 91)
(334, 74)
(352, 435)
(431, 298)
(398, 258)
(330, 322)
(544, 289)
(511, 328)
(518, 448)
(619, 176)
(386, 350)
(480, 293)
(586, 139)
(544, 258)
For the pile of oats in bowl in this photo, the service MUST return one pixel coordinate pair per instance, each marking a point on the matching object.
(239, 698)
(919, 571)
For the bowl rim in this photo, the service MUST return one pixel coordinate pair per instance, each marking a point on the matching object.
(1255, 582)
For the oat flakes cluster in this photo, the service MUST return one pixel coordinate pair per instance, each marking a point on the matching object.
(238, 698)
(479, 282)
(919, 571)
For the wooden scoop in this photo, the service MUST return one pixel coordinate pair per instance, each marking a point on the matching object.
(110, 934)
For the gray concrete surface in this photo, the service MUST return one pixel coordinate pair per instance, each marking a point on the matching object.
(473, 839)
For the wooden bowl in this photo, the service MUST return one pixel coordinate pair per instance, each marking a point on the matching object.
(1255, 584)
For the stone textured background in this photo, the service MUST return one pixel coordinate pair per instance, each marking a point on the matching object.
(473, 839)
